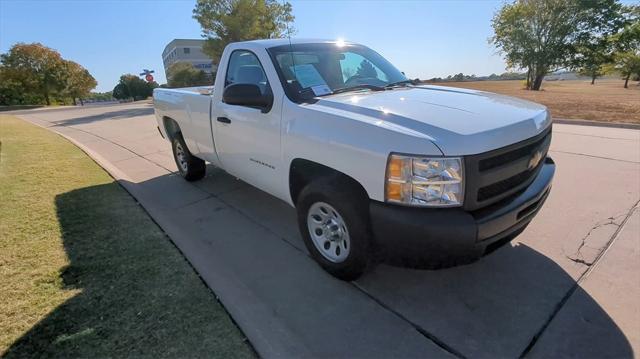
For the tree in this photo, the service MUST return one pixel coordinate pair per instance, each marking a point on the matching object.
(131, 86)
(10, 91)
(594, 62)
(35, 68)
(628, 38)
(79, 81)
(225, 21)
(183, 74)
(592, 48)
(627, 45)
(541, 35)
(120, 92)
(100, 96)
(458, 77)
(627, 64)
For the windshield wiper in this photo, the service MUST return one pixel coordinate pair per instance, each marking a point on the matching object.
(358, 87)
(399, 83)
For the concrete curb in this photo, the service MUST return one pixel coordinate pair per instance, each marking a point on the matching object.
(578, 122)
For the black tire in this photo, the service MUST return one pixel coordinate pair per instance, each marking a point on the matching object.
(353, 207)
(191, 168)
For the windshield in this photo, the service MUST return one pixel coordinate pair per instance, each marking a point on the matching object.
(310, 70)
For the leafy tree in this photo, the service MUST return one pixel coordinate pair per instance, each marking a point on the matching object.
(542, 35)
(35, 74)
(594, 63)
(100, 96)
(592, 48)
(626, 64)
(10, 91)
(35, 68)
(626, 59)
(131, 86)
(366, 70)
(183, 74)
(79, 81)
(628, 39)
(458, 77)
(225, 21)
(121, 92)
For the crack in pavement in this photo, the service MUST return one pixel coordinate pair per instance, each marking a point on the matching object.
(578, 256)
(581, 279)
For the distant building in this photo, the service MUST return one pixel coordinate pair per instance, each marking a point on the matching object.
(187, 50)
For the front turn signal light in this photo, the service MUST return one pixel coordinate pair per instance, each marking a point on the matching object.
(424, 181)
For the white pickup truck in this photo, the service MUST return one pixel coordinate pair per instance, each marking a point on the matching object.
(375, 164)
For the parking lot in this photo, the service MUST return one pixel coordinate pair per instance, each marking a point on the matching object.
(568, 286)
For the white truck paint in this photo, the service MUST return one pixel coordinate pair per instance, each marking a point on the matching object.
(352, 133)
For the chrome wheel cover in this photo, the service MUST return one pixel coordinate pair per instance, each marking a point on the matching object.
(329, 232)
(181, 158)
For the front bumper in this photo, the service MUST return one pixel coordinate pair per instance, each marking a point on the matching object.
(441, 237)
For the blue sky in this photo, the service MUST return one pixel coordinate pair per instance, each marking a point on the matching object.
(423, 38)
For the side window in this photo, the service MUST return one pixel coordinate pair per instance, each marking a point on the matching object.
(245, 68)
(354, 65)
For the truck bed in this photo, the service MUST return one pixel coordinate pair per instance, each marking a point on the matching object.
(190, 107)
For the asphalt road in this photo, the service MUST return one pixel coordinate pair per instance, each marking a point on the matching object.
(568, 286)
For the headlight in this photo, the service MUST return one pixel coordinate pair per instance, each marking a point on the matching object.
(424, 181)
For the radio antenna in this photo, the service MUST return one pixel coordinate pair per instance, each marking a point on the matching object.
(293, 61)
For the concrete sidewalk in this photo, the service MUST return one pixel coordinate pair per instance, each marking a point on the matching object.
(567, 286)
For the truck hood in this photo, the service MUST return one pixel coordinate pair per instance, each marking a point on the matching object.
(458, 121)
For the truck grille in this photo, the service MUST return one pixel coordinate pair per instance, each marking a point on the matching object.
(495, 175)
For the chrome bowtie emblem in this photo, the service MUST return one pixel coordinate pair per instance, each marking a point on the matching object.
(535, 159)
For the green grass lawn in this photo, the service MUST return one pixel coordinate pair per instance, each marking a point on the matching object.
(84, 271)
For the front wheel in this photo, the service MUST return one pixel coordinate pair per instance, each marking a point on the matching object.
(333, 221)
(190, 167)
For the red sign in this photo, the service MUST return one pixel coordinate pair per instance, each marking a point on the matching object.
(149, 77)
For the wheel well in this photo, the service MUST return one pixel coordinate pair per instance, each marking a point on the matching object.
(171, 127)
(302, 172)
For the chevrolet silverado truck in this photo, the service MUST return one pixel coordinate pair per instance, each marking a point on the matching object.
(376, 165)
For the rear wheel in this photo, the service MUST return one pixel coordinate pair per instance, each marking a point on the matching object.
(334, 223)
(190, 167)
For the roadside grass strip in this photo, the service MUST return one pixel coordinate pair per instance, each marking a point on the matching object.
(85, 272)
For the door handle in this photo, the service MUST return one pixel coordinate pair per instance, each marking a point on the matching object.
(223, 120)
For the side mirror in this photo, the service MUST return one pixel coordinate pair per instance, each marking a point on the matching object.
(247, 95)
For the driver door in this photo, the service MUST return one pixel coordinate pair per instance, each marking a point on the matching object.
(248, 139)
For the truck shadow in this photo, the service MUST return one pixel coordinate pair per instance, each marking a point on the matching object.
(112, 115)
(513, 302)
